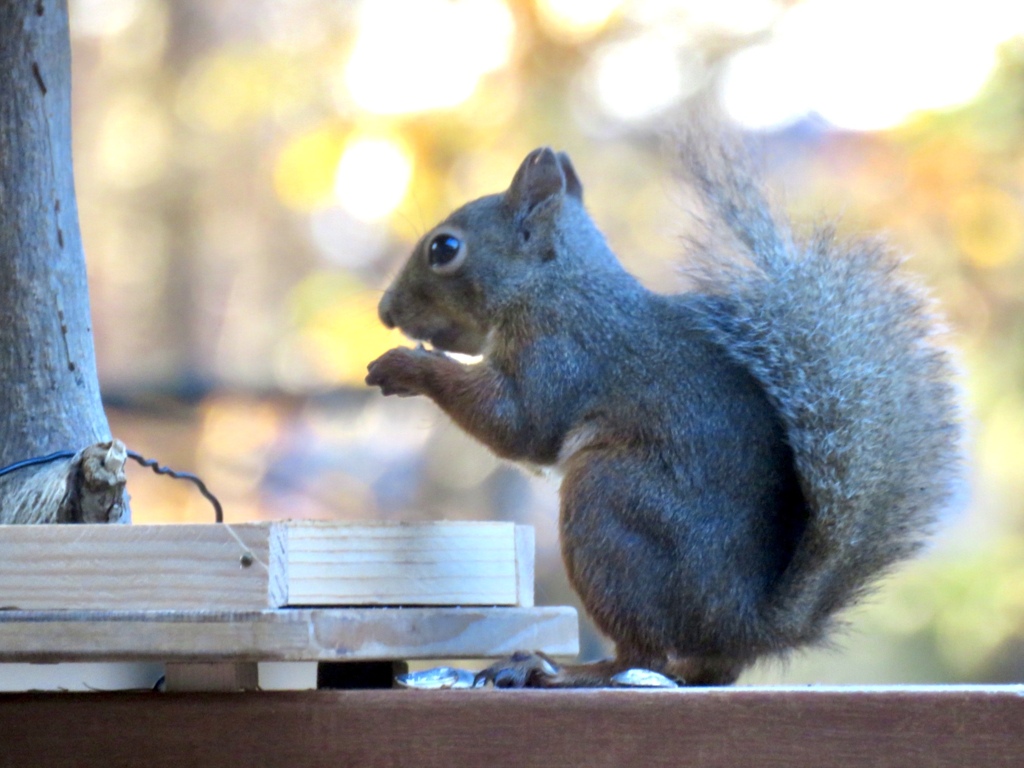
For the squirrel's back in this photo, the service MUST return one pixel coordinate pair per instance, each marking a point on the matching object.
(845, 346)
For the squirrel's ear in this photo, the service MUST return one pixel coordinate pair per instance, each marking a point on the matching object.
(572, 181)
(539, 177)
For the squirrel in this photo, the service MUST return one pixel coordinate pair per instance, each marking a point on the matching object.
(739, 461)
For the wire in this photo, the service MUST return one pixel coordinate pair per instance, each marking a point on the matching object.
(37, 460)
(218, 511)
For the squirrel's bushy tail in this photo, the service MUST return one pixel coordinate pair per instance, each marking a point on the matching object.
(845, 346)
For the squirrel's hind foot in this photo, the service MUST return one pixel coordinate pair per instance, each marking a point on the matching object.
(522, 669)
(537, 670)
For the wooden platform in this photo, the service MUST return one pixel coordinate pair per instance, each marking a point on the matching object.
(289, 634)
(211, 601)
(940, 727)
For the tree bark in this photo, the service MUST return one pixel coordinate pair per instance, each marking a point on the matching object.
(49, 391)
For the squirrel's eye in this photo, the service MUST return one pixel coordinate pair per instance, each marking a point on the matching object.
(445, 253)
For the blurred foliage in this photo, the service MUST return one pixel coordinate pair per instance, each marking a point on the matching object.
(250, 173)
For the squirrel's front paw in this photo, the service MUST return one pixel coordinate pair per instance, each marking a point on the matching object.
(521, 670)
(398, 371)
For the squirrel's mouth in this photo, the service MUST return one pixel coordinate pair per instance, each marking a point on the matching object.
(451, 340)
(464, 341)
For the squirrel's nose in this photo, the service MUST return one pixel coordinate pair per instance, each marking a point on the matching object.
(384, 311)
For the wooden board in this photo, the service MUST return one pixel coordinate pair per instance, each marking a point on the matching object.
(422, 564)
(255, 566)
(724, 728)
(211, 676)
(292, 634)
(49, 567)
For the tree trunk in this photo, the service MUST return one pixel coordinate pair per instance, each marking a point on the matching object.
(49, 391)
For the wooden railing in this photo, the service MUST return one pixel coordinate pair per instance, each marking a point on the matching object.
(930, 727)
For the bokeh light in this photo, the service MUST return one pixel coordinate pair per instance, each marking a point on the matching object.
(640, 78)
(576, 20)
(102, 17)
(869, 64)
(304, 175)
(987, 225)
(373, 176)
(417, 55)
(134, 141)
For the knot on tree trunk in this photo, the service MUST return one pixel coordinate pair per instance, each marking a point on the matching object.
(85, 488)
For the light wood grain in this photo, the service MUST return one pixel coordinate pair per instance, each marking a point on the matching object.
(44, 567)
(290, 634)
(526, 550)
(256, 566)
(452, 563)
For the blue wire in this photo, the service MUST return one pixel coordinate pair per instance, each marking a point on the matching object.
(37, 460)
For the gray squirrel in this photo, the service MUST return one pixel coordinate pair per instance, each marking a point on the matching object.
(739, 462)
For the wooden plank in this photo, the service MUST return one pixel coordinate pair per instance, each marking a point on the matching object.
(328, 634)
(768, 728)
(211, 676)
(526, 550)
(452, 563)
(136, 567)
(255, 566)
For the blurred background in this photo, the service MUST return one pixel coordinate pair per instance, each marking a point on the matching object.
(250, 173)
